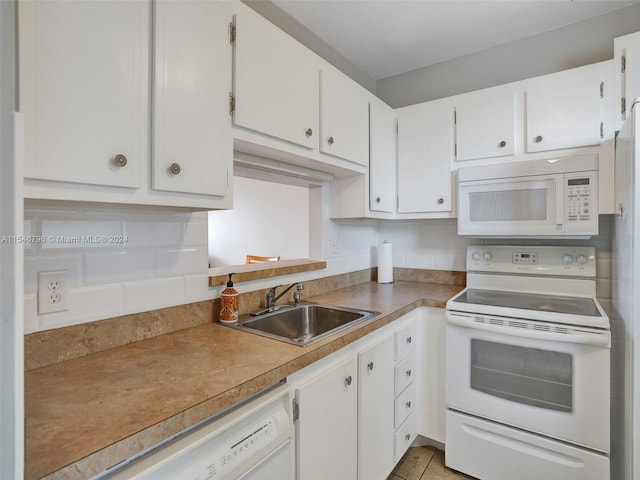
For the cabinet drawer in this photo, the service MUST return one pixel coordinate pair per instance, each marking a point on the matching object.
(405, 373)
(405, 403)
(403, 438)
(405, 340)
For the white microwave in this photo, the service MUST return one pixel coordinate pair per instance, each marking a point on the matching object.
(536, 198)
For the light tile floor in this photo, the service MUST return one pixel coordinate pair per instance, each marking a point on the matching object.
(424, 463)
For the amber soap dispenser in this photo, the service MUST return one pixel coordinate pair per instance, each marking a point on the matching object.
(229, 303)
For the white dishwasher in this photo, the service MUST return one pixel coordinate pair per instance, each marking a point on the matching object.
(252, 442)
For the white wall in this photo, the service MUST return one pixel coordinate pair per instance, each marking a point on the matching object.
(267, 219)
(11, 334)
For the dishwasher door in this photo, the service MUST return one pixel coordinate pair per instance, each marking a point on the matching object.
(254, 441)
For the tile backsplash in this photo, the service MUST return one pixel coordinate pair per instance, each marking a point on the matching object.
(120, 261)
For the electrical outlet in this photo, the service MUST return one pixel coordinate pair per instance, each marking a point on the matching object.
(53, 291)
(334, 246)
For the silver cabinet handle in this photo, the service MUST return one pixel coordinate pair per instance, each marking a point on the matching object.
(120, 160)
(370, 366)
(409, 339)
(538, 139)
(409, 404)
(348, 380)
(378, 199)
(440, 201)
(175, 168)
(409, 373)
(407, 436)
(330, 140)
(309, 132)
(502, 144)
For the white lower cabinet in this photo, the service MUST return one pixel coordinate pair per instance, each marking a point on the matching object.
(375, 399)
(352, 421)
(326, 426)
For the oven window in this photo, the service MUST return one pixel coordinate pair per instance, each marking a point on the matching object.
(508, 205)
(530, 376)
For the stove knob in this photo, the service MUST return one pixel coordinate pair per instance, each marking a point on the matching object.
(486, 256)
(476, 256)
(567, 259)
(581, 259)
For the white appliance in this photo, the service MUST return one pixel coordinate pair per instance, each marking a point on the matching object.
(528, 366)
(536, 198)
(252, 442)
(625, 455)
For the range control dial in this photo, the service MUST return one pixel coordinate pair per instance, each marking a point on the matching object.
(476, 256)
(567, 259)
(582, 259)
(486, 256)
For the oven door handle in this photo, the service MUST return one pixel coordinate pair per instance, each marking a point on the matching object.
(583, 338)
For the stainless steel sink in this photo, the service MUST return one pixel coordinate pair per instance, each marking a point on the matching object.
(304, 324)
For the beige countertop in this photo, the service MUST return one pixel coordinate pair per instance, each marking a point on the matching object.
(86, 414)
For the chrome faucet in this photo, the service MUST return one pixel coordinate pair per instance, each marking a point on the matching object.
(272, 298)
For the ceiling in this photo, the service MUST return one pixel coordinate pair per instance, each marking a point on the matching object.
(388, 37)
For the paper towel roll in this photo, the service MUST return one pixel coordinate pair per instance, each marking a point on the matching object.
(385, 262)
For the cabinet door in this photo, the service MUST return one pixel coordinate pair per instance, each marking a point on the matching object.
(627, 72)
(275, 83)
(192, 140)
(565, 111)
(376, 411)
(425, 150)
(485, 125)
(327, 424)
(344, 118)
(382, 161)
(83, 90)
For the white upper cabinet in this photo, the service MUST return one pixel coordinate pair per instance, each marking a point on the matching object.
(344, 117)
(425, 152)
(565, 110)
(485, 124)
(275, 83)
(627, 72)
(192, 140)
(83, 90)
(382, 166)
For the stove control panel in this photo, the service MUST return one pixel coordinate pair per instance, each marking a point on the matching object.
(532, 260)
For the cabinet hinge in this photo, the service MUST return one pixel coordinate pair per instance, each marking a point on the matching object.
(623, 105)
(232, 104)
(296, 410)
(455, 150)
(232, 33)
(601, 89)
(455, 117)
(601, 129)
(623, 64)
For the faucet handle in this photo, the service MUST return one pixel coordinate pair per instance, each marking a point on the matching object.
(300, 286)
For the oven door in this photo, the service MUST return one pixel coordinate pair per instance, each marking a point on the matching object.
(532, 375)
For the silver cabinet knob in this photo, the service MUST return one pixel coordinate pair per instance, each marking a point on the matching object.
(440, 201)
(120, 160)
(175, 168)
(309, 132)
(370, 366)
(378, 199)
(348, 380)
(538, 139)
(409, 404)
(407, 437)
(409, 339)
(330, 140)
(502, 144)
(409, 373)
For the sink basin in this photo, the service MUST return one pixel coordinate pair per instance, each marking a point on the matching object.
(304, 324)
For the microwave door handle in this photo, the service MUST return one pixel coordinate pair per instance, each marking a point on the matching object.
(559, 199)
(584, 338)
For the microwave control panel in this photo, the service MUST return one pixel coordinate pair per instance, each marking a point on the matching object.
(580, 198)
